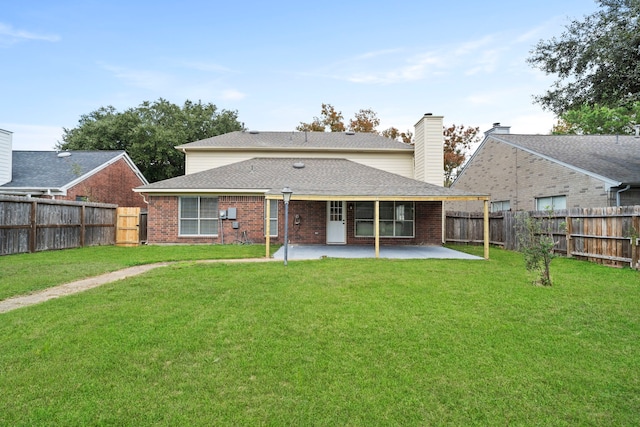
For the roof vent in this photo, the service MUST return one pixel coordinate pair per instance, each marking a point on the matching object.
(428, 114)
(254, 132)
(349, 132)
(298, 165)
(64, 154)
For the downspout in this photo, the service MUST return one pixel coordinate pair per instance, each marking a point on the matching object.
(618, 194)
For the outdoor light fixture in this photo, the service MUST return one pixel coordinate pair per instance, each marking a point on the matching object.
(286, 196)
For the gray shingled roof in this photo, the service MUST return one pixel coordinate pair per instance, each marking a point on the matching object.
(614, 157)
(45, 169)
(318, 177)
(298, 140)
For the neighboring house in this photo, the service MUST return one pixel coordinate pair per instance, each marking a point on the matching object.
(96, 176)
(345, 186)
(536, 172)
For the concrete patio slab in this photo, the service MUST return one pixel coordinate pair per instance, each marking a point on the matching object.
(306, 252)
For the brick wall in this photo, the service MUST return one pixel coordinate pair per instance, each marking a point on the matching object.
(509, 173)
(113, 184)
(163, 222)
(250, 218)
(312, 229)
(427, 223)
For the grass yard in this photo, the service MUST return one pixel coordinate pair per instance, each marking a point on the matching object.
(331, 342)
(26, 273)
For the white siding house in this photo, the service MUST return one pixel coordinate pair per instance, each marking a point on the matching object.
(5, 156)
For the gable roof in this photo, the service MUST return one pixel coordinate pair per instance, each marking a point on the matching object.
(308, 178)
(613, 158)
(54, 171)
(315, 141)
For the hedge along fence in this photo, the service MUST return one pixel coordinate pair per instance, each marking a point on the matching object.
(34, 225)
(603, 235)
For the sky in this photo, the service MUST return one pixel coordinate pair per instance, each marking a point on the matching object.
(276, 62)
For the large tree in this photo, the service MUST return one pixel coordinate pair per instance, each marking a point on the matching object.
(599, 120)
(149, 133)
(457, 143)
(596, 60)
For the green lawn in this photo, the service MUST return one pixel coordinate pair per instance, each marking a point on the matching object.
(26, 273)
(331, 342)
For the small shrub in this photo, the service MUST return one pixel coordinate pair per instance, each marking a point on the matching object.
(536, 243)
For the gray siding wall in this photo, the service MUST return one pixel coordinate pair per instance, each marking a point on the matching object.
(509, 173)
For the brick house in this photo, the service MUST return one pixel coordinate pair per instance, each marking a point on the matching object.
(348, 188)
(533, 172)
(96, 176)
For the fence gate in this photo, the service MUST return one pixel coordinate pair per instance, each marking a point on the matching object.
(128, 227)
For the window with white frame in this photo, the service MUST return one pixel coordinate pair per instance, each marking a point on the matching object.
(396, 219)
(552, 202)
(198, 216)
(273, 218)
(501, 205)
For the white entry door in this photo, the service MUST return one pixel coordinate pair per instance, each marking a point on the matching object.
(336, 223)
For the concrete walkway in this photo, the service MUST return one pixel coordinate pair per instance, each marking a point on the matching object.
(296, 252)
(93, 282)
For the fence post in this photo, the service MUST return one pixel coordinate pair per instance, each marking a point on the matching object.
(486, 229)
(634, 242)
(568, 233)
(34, 227)
(82, 226)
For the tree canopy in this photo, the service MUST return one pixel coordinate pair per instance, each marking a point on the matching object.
(457, 142)
(596, 60)
(365, 120)
(599, 120)
(149, 133)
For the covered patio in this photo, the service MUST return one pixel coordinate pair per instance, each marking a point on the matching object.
(423, 193)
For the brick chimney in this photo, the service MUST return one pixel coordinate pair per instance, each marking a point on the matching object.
(429, 150)
(6, 156)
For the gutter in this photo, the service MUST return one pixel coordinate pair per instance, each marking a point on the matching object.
(32, 191)
(620, 191)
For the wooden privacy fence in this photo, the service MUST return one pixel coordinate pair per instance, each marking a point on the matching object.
(603, 235)
(34, 225)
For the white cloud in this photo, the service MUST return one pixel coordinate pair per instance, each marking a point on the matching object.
(471, 47)
(472, 57)
(415, 68)
(176, 86)
(487, 63)
(232, 95)
(535, 123)
(145, 79)
(12, 35)
(484, 55)
(206, 66)
(482, 99)
(33, 137)
(375, 54)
